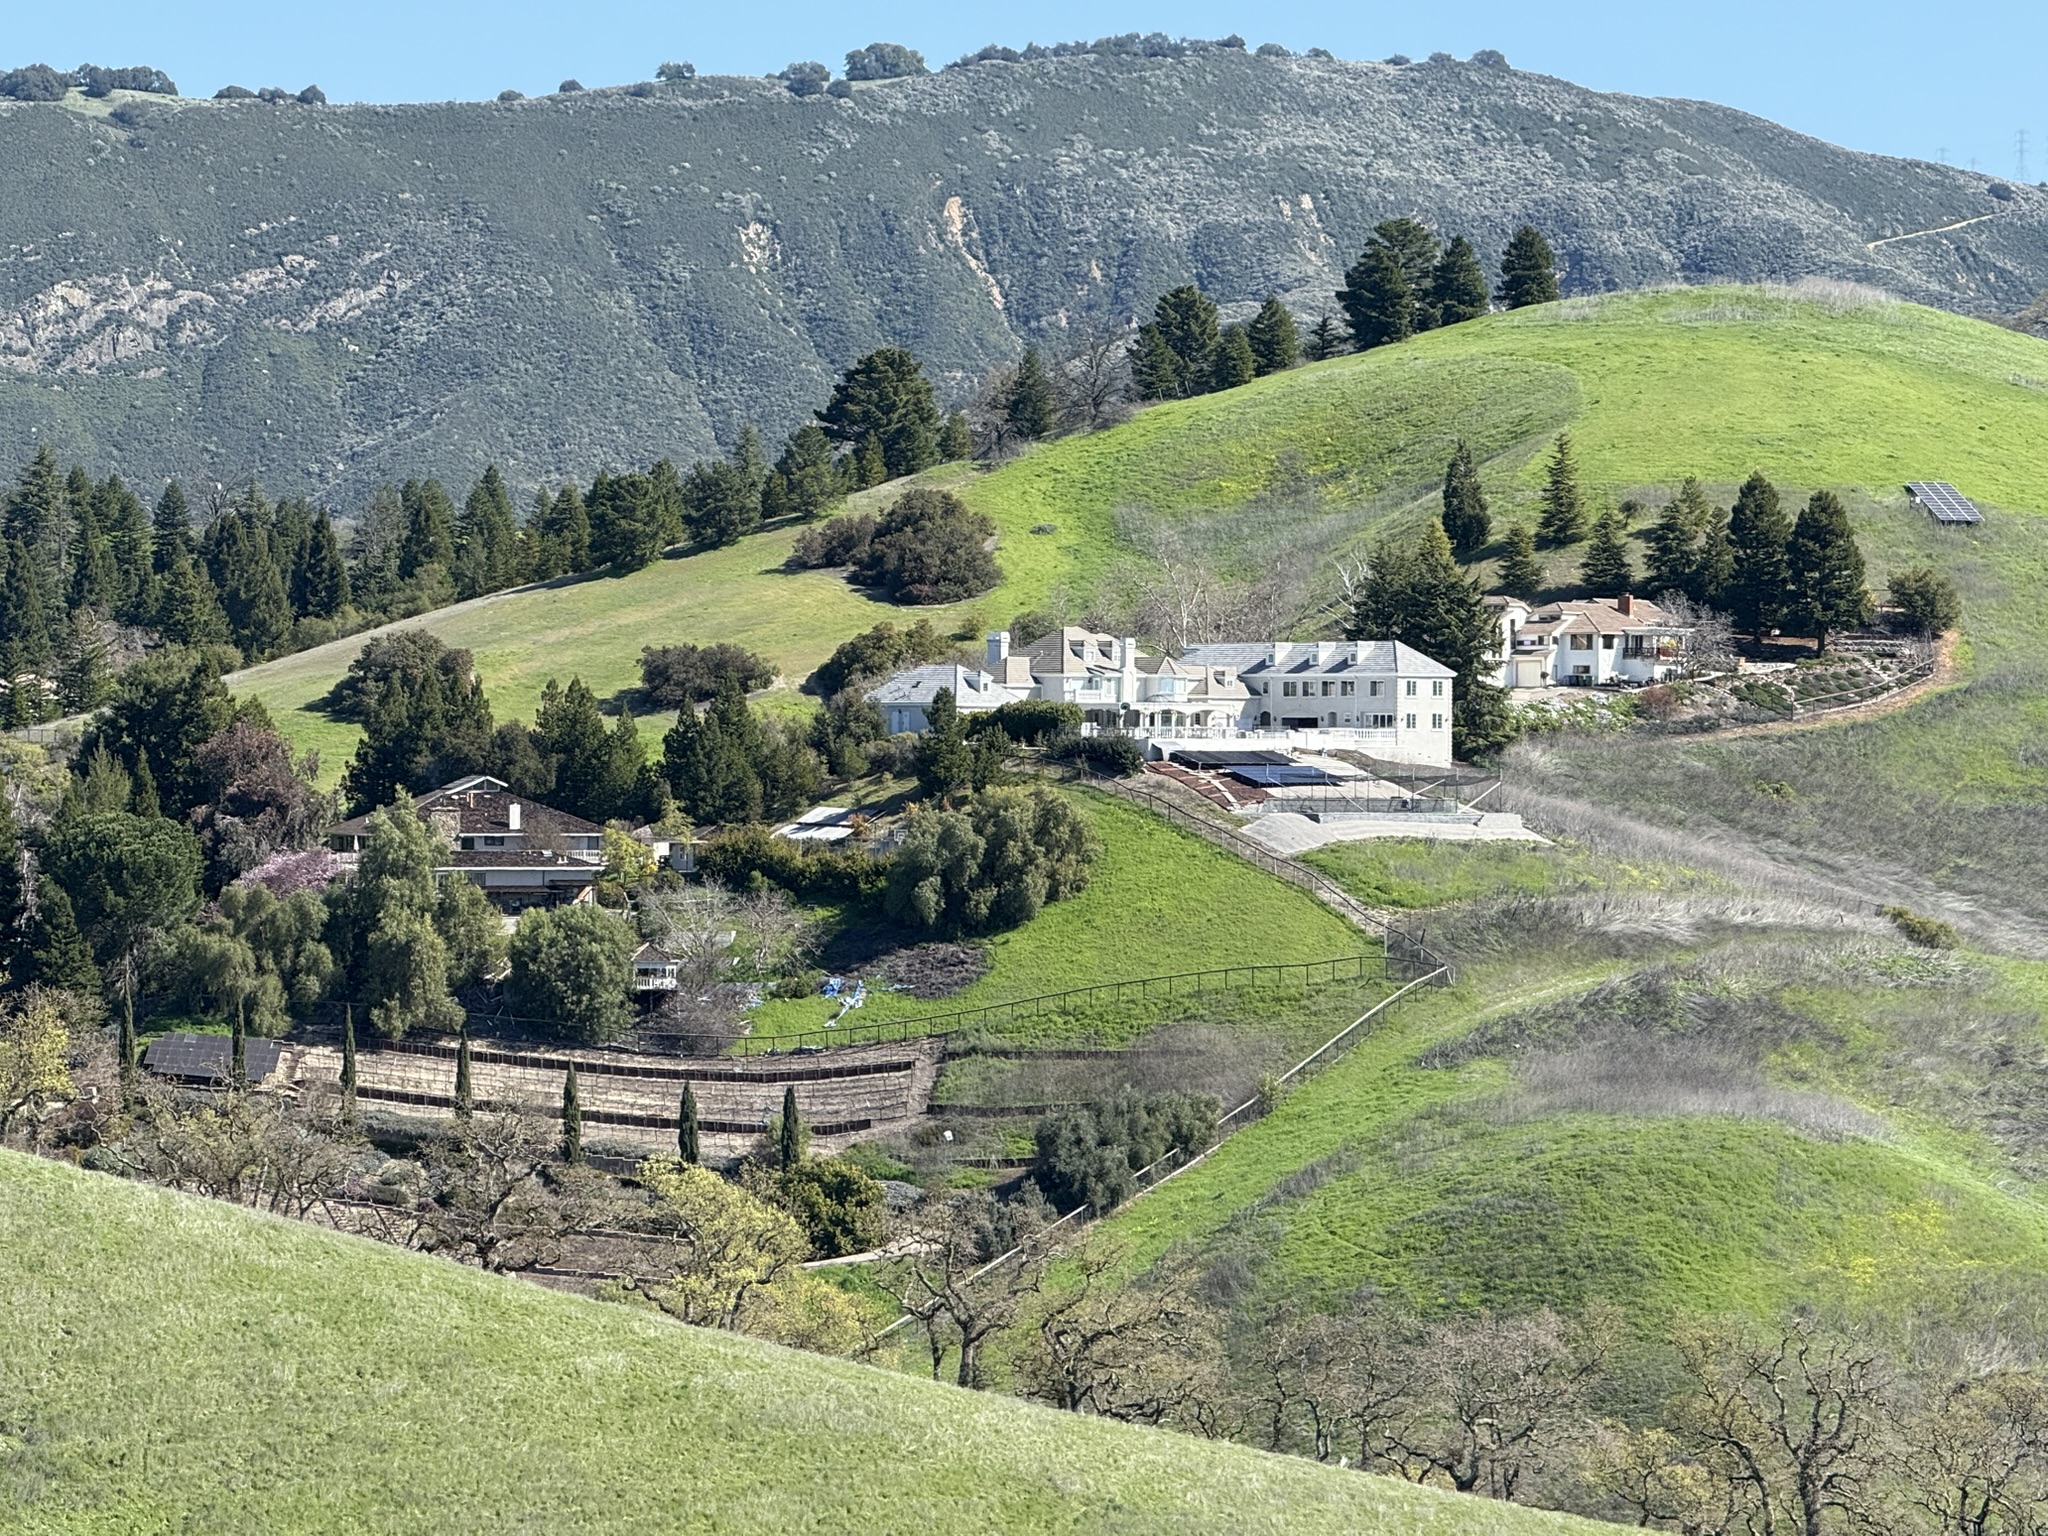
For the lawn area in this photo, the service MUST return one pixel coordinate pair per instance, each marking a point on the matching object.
(173, 1364)
(1159, 901)
(1429, 872)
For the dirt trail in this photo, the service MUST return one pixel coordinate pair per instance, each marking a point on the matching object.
(1939, 229)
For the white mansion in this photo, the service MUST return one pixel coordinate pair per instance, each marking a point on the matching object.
(1378, 697)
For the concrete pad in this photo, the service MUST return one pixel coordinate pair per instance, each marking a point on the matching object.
(1289, 834)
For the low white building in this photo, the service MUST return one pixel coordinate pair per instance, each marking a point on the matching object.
(1378, 697)
(1587, 642)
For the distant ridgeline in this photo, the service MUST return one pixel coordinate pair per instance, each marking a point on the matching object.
(336, 297)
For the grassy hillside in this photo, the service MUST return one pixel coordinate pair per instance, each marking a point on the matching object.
(174, 1364)
(1655, 386)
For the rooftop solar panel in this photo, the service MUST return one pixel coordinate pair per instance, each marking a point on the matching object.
(209, 1058)
(1944, 503)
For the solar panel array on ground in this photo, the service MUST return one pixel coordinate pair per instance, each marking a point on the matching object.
(1944, 503)
(1286, 775)
(209, 1058)
(1204, 758)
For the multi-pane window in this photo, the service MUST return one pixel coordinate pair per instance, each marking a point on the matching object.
(1436, 689)
(1409, 722)
(1349, 689)
(1436, 722)
(1411, 688)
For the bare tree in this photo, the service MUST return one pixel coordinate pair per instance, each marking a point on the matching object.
(1975, 1458)
(1793, 1421)
(960, 1277)
(1184, 599)
(495, 1197)
(1094, 380)
(1141, 1354)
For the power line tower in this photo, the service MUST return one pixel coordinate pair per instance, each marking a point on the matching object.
(2022, 158)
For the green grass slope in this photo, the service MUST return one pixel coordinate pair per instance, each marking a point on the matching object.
(171, 1364)
(1654, 386)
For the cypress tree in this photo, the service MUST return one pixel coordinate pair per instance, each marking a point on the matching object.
(1528, 271)
(1716, 571)
(686, 1127)
(1155, 371)
(1376, 298)
(1564, 516)
(789, 1142)
(1325, 340)
(239, 1074)
(171, 527)
(1520, 574)
(1760, 576)
(142, 796)
(58, 954)
(572, 1119)
(465, 1104)
(1606, 570)
(1232, 363)
(124, 1047)
(1467, 523)
(1031, 409)
(1828, 592)
(1457, 285)
(956, 442)
(348, 1062)
(1275, 340)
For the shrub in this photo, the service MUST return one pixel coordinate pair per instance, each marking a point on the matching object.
(836, 541)
(34, 82)
(572, 968)
(1092, 1155)
(1927, 932)
(991, 865)
(884, 61)
(735, 857)
(1030, 722)
(805, 79)
(929, 548)
(1926, 600)
(1113, 754)
(841, 1207)
(674, 676)
(876, 653)
(682, 71)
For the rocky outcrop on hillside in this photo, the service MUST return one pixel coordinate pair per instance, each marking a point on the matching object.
(329, 296)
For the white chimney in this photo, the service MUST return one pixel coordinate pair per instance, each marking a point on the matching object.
(998, 650)
(512, 816)
(1129, 646)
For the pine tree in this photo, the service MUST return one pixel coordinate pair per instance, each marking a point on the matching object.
(1325, 340)
(1457, 286)
(35, 517)
(1828, 590)
(750, 458)
(1466, 522)
(956, 442)
(789, 1141)
(1675, 541)
(319, 587)
(1031, 409)
(1760, 577)
(1233, 363)
(486, 538)
(686, 1127)
(1716, 571)
(429, 537)
(1520, 574)
(1606, 570)
(1564, 516)
(92, 567)
(190, 613)
(1376, 298)
(1155, 371)
(84, 679)
(572, 730)
(885, 400)
(1186, 322)
(805, 482)
(945, 758)
(252, 591)
(465, 1097)
(1528, 271)
(348, 1063)
(572, 1119)
(24, 622)
(171, 527)
(58, 954)
(869, 467)
(143, 799)
(567, 530)
(1275, 340)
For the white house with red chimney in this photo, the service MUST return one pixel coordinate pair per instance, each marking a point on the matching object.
(1590, 642)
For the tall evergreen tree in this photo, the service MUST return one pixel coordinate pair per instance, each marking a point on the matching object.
(686, 1127)
(1528, 271)
(238, 1047)
(1274, 338)
(956, 440)
(189, 611)
(1828, 591)
(319, 586)
(1675, 541)
(36, 518)
(252, 591)
(1155, 371)
(750, 458)
(348, 1063)
(58, 954)
(171, 527)
(789, 1140)
(804, 481)
(143, 798)
(562, 543)
(13, 885)
(945, 757)
(92, 568)
(1186, 318)
(429, 537)
(1716, 571)
(572, 1119)
(1325, 339)
(85, 680)
(720, 507)
(1760, 579)
(572, 730)
(1606, 570)
(1457, 285)
(1233, 363)
(373, 552)
(1376, 298)
(1032, 409)
(1467, 523)
(125, 525)
(24, 621)
(486, 538)
(885, 399)
(1564, 515)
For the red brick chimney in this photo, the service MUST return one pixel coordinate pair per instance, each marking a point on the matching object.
(1626, 604)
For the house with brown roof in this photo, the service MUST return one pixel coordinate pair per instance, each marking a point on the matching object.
(1590, 642)
(522, 853)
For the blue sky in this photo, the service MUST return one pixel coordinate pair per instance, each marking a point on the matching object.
(1889, 77)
